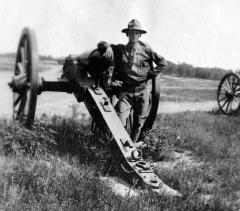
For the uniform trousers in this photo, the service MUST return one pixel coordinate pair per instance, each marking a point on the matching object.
(140, 102)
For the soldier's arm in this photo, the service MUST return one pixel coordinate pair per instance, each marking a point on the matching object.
(108, 51)
(160, 62)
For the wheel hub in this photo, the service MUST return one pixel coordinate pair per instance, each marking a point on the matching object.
(19, 83)
(230, 95)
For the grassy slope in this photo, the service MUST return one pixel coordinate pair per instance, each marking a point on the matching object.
(52, 167)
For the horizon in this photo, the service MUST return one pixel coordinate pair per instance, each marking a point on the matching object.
(179, 63)
(201, 33)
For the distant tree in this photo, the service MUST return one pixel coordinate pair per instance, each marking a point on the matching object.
(187, 70)
(48, 57)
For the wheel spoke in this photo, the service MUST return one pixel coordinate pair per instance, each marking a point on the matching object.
(224, 103)
(227, 106)
(228, 85)
(20, 67)
(23, 58)
(229, 82)
(26, 108)
(22, 104)
(17, 100)
(222, 92)
(26, 52)
(226, 88)
(234, 105)
(15, 108)
(236, 102)
(236, 84)
(223, 98)
(237, 90)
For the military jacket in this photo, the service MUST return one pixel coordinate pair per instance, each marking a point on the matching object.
(132, 65)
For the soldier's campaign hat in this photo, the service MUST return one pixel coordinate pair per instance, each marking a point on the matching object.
(134, 25)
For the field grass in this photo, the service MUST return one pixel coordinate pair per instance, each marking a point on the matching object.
(194, 83)
(53, 166)
(175, 89)
(214, 141)
(187, 95)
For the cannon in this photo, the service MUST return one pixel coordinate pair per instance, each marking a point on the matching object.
(228, 94)
(83, 77)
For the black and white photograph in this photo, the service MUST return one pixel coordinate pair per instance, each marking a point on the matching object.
(120, 105)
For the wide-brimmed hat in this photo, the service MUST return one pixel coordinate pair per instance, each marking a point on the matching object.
(134, 25)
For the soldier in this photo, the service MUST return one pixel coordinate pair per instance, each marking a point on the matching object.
(133, 67)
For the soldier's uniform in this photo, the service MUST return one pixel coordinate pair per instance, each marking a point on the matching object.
(133, 66)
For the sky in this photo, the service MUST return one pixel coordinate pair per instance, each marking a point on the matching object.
(203, 33)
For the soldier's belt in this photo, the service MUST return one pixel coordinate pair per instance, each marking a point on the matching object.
(128, 88)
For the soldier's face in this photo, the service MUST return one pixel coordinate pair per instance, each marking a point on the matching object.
(133, 36)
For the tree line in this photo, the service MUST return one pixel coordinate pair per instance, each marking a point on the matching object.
(187, 70)
(179, 70)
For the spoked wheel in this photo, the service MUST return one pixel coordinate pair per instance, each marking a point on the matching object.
(25, 80)
(228, 94)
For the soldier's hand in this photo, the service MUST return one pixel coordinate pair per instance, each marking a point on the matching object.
(158, 69)
(108, 53)
(116, 83)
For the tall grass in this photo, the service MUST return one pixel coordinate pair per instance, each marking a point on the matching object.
(55, 167)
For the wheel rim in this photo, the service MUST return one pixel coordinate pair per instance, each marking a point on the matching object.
(25, 79)
(228, 94)
(155, 102)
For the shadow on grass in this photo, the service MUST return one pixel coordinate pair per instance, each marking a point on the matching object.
(55, 136)
(217, 111)
(73, 138)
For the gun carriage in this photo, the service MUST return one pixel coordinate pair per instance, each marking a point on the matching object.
(83, 76)
(228, 94)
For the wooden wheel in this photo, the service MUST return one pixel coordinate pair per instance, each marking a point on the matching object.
(228, 94)
(25, 80)
(155, 102)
